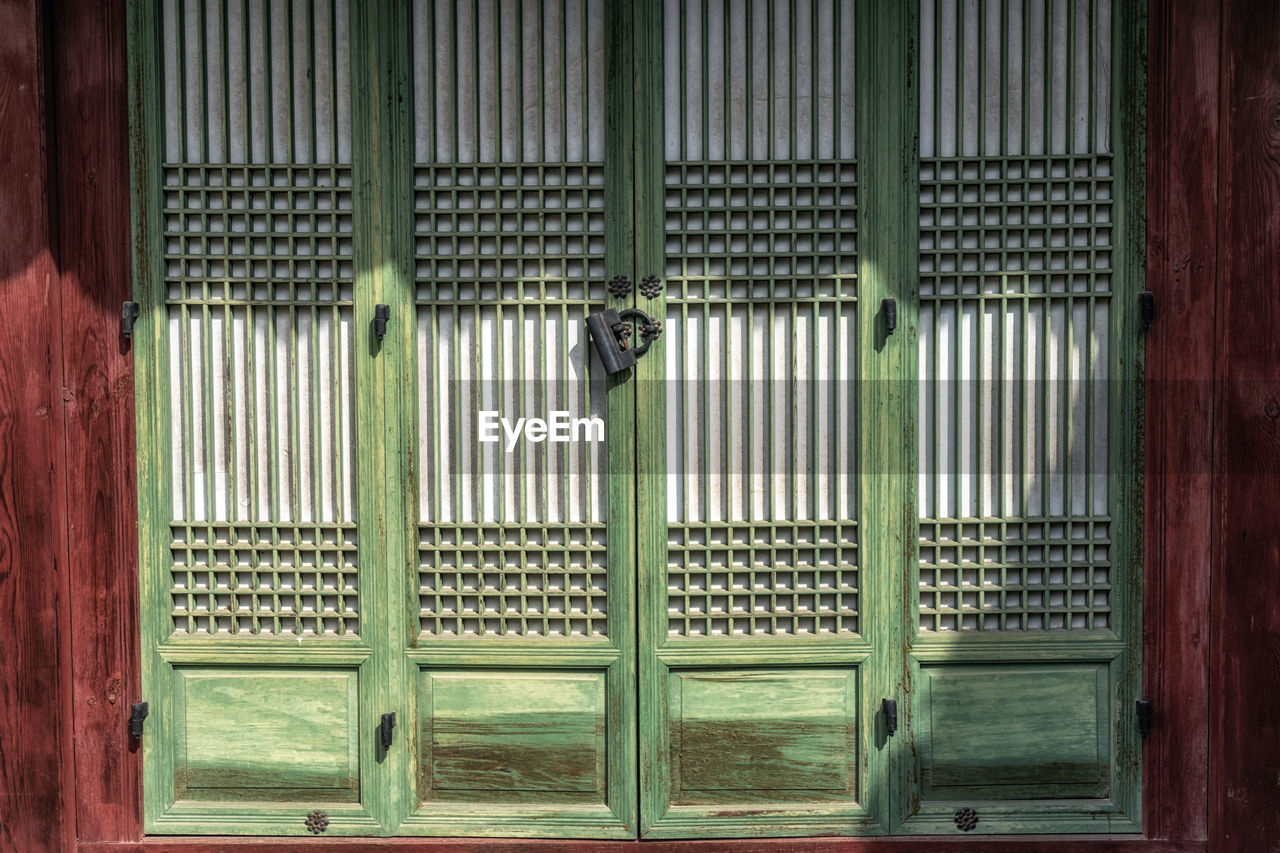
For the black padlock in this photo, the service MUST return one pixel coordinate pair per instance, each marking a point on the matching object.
(604, 328)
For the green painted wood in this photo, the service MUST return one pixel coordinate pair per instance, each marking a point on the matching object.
(151, 381)
(248, 732)
(533, 737)
(388, 61)
(1129, 117)
(515, 729)
(783, 748)
(1035, 729)
(637, 731)
(385, 375)
(256, 734)
(887, 220)
(519, 752)
(623, 419)
(763, 736)
(1010, 732)
(644, 56)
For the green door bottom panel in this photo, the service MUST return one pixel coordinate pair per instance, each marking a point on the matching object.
(761, 751)
(522, 753)
(1028, 747)
(253, 750)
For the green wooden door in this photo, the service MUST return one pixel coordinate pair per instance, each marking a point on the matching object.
(765, 634)
(260, 588)
(675, 609)
(518, 646)
(1024, 587)
(363, 229)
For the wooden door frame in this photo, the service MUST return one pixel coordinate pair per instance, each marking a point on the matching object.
(78, 665)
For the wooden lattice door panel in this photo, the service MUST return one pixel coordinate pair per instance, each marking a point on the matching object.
(1027, 309)
(252, 566)
(688, 628)
(521, 639)
(259, 290)
(759, 676)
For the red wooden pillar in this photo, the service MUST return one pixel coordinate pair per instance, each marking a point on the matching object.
(86, 68)
(1244, 779)
(1182, 199)
(35, 780)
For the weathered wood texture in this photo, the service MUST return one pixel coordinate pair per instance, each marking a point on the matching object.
(1182, 110)
(89, 126)
(34, 785)
(1189, 266)
(1244, 785)
(768, 845)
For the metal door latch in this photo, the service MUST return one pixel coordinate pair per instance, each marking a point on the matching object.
(610, 333)
(388, 724)
(890, 709)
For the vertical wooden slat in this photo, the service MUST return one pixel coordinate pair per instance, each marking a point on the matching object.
(89, 92)
(1181, 272)
(35, 790)
(1245, 619)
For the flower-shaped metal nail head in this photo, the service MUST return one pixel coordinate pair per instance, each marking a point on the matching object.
(317, 822)
(619, 286)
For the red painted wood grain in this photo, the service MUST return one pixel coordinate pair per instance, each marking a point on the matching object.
(89, 118)
(1244, 774)
(34, 773)
(1182, 195)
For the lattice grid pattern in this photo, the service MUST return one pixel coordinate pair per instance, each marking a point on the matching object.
(259, 281)
(510, 258)
(509, 222)
(1016, 267)
(784, 579)
(777, 231)
(1017, 243)
(1035, 574)
(760, 332)
(256, 199)
(1016, 226)
(761, 293)
(264, 580)
(258, 233)
(513, 581)
(496, 234)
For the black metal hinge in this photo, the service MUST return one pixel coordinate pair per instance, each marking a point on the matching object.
(1144, 716)
(381, 314)
(889, 308)
(890, 709)
(1147, 308)
(128, 313)
(387, 727)
(137, 714)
